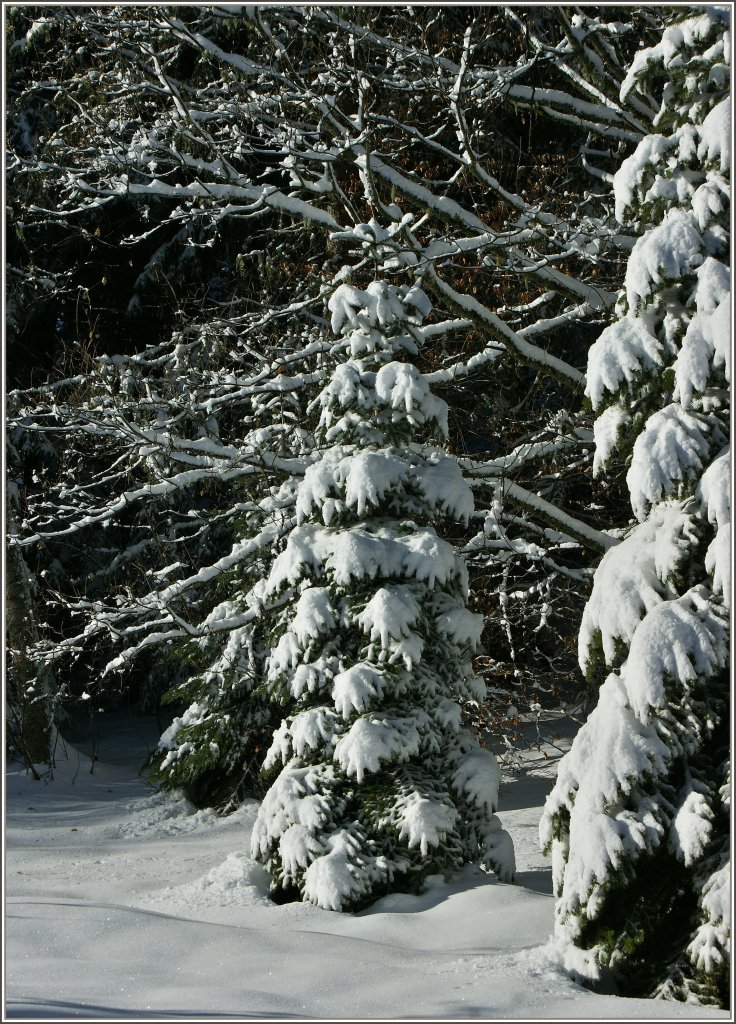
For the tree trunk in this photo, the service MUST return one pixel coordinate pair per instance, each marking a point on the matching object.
(28, 689)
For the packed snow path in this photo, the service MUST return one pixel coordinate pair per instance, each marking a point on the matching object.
(121, 903)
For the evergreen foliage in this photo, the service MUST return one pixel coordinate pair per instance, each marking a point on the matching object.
(380, 784)
(638, 821)
(214, 749)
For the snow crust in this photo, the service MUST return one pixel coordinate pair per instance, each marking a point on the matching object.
(635, 170)
(669, 50)
(621, 353)
(90, 911)
(402, 387)
(712, 937)
(424, 822)
(361, 480)
(376, 738)
(633, 578)
(718, 559)
(357, 687)
(361, 551)
(671, 250)
(715, 137)
(714, 488)
(708, 341)
(608, 431)
(683, 639)
(691, 826)
(670, 451)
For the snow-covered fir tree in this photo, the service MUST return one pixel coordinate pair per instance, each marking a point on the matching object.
(379, 783)
(638, 822)
(213, 750)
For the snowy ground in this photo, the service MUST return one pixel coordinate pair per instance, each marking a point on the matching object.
(121, 903)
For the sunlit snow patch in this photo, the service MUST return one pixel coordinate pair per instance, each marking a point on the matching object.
(237, 881)
(165, 814)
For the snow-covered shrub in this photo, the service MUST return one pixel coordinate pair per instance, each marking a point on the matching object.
(213, 750)
(380, 784)
(638, 819)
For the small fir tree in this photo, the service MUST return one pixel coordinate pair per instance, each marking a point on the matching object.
(214, 750)
(638, 819)
(379, 783)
